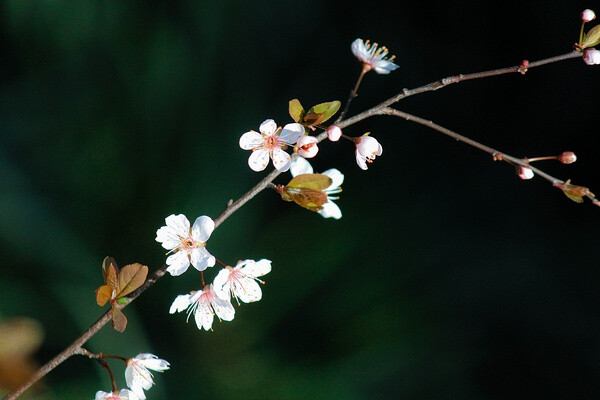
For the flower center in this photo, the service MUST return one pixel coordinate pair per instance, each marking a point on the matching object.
(271, 142)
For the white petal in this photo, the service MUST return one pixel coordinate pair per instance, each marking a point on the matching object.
(300, 166)
(251, 140)
(181, 303)
(247, 290)
(268, 127)
(258, 268)
(221, 283)
(178, 263)
(359, 49)
(179, 224)
(384, 67)
(100, 395)
(361, 161)
(223, 309)
(204, 316)
(281, 160)
(129, 395)
(337, 178)
(156, 364)
(258, 160)
(168, 238)
(203, 228)
(330, 210)
(291, 133)
(202, 259)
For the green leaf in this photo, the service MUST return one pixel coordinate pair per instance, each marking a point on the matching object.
(321, 112)
(296, 110)
(592, 38)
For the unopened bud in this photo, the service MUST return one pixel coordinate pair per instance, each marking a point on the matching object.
(524, 172)
(307, 146)
(567, 157)
(591, 56)
(334, 133)
(587, 15)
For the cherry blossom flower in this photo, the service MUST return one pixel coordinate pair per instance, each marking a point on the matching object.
(591, 56)
(240, 282)
(270, 143)
(587, 15)
(373, 57)
(367, 148)
(204, 305)
(524, 172)
(138, 377)
(123, 394)
(307, 146)
(330, 209)
(187, 245)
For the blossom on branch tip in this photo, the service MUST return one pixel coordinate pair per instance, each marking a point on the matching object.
(204, 304)
(330, 210)
(373, 56)
(270, 143)
(307, 146)
(187, 245)
(138, 377)
(334, 133)
(524, 172)
(124, 394)
(367, 148)
(591, 56)
(241, 282)
(587, 15)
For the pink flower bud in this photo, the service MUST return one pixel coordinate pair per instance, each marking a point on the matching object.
(587, 15)
(567, 157)
(524, 172)
(334, 133)
(591, 56)
(307, 146)
(367, 148)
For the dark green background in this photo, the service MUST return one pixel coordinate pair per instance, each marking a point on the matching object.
(446, 278)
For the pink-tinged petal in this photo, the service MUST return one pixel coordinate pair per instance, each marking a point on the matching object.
(337, 178)
(204, 316)
(361, 161)
(258, 160)
(180, 303)
(334, 133)
(179, 224)
(330, 210)
(300, 166)
(221, 283)
(223, 309)
(281, 160)
(178, 263)
(203, 228)
(291, 133)
(251, 140)
(268, 127)
(379, 150)
(248, 290)
(256, 269)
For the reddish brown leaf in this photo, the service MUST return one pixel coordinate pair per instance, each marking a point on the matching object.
(131, 277)
(119, 320)
(103, 294)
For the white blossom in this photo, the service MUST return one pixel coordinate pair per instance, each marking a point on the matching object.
(188, 246)
(367, 148)
(372, 56)
(138, 377)
(241, 282)
(204, 304)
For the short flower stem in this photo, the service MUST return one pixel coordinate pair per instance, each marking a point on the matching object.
(105, 365)
(353, 94)
(541, 158)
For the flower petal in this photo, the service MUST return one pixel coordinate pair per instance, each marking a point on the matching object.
(268, 127)
(337, 178)
(202, 259)
(361, 161)
(223, 309)
(179, 224)
(203, 228)
(300, 166)
(204, 316)
(291, 133)
(281, 160)
(258, 160)
(221, 283)
(180, 303)
(247, 290)
(256, 269)
(168, 238)
(330, 210)
(251, 140)
(178, 263)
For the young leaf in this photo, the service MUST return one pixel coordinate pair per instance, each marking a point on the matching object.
(296, 110)
(306, 190)
(592, 38)
(310, 181)
(131, 277)
(106, 264)
(321, 112)
(119, 320)
(109, 271)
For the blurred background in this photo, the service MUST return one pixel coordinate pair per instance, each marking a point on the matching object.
(447, 277)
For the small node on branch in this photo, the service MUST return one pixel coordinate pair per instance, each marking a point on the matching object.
(523, 67)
